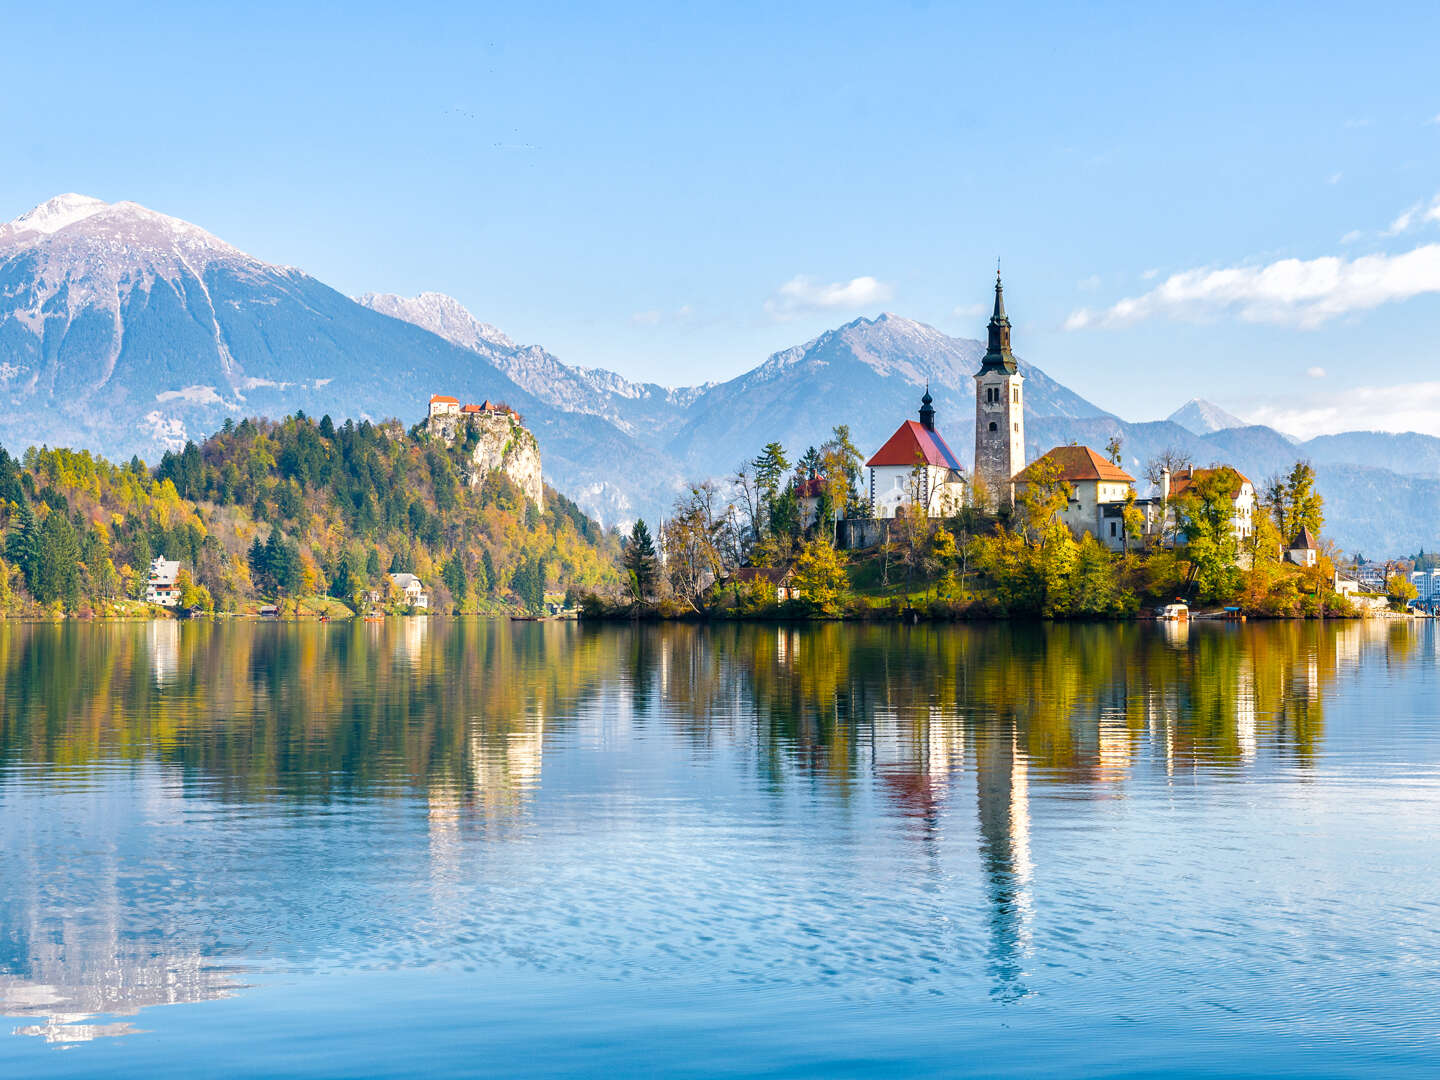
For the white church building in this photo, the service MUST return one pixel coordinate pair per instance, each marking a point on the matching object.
(916, 465)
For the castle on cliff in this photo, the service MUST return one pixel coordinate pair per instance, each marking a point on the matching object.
(503, 443)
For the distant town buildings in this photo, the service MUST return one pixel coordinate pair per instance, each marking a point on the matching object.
(160, 586)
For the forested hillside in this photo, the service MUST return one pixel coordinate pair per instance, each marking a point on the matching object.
(264, 510)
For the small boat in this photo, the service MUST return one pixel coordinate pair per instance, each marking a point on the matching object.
(1174, 613)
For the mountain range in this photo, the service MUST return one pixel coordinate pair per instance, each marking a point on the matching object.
(127, 331)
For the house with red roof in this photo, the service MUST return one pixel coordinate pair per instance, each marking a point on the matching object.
(916, 466)
(1098, 491)
(443, 405)
(1242, 494)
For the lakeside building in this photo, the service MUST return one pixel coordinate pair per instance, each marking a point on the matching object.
(1427, 586)
(1242, 495)
(411, 588)
(161, 586)
(1304, 549)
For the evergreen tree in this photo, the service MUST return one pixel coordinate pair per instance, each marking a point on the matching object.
(642, 567)
(56, 575)
(453, 574)
(22, 545)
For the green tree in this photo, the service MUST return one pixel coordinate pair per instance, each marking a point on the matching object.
(56, 576)
(455, 578)
(642, 566)
(1205, 513)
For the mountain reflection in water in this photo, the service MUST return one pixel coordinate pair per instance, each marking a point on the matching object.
(849, 806)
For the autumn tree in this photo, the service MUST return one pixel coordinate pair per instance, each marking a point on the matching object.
(696, 541)
(1205, 513)
(819, 577)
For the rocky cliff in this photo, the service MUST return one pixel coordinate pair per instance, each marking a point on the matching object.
(501, 443)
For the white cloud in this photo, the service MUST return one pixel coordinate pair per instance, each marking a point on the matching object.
(1316, 372)
(1288, 292)
(645, 318)
(1151, 274)
(1089, 284)
(1334, 178)
(1351, 236)
(801, 294)
(1433, 120)
(1405, 407)
(1415, 215)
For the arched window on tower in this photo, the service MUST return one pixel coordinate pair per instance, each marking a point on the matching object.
(992, 426)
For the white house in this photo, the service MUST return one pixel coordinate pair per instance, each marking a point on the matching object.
(1098, 491)
(410, 587)
(916, 465)
(1304, 549)
(1242, 494)
(160, 587)
(443, 405)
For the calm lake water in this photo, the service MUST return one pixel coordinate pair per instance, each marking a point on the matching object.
(513, 849)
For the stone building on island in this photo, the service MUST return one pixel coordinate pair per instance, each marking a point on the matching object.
(999, 411)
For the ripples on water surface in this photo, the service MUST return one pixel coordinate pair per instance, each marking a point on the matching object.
(469, 847)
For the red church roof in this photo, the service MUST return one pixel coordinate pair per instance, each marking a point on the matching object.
(912, 444)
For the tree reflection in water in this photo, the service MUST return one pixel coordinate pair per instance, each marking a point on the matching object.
(460, 716)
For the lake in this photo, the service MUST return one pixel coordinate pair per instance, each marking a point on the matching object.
(430, 847)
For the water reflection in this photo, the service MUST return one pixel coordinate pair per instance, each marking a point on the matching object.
(157, 779)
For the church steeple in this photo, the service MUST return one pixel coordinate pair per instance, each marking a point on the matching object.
(927, 410)
(998, 356)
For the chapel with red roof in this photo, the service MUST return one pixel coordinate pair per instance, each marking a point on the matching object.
(916, 465)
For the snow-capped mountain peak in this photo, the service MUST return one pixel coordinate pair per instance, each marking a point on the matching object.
(55, 214)
(440, 314)
(1202, 417)
(79, 231)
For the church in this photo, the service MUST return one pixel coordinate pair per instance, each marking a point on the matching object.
(916, 464)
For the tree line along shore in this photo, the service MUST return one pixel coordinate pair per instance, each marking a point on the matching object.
(302, 517)
(305, 518)
(765, 546)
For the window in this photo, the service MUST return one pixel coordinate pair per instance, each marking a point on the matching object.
(993, 426)
(1112, 529)
(1017, 427)
(1016, 399)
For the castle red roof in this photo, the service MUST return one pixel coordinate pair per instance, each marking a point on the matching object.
(471, 409)
(913, 444)
(439, 398)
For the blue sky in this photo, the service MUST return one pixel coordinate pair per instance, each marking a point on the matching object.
(675, 193)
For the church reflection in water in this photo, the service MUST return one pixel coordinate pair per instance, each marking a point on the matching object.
(463, 720)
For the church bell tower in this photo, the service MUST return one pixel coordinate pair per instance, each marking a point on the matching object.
(999, 410)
